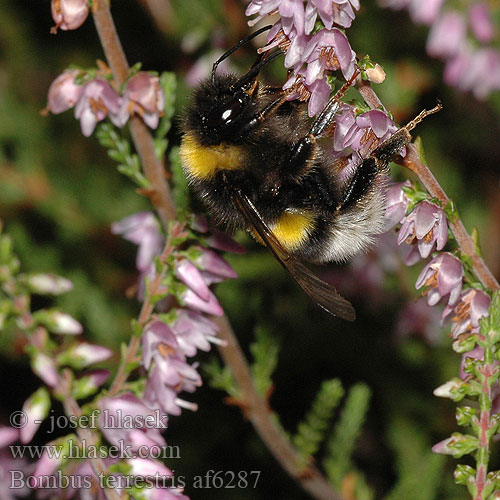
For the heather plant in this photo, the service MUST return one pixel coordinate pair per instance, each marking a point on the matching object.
(124, 380)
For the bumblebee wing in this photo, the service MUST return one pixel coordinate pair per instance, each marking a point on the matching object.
(322, 293)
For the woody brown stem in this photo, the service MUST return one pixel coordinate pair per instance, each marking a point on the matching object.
(153, 168)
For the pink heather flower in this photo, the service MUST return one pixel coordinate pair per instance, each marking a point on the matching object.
(427, 224)
(189, 274)
(162, 396)
(447, 35)
(121, 420)
(292, 16)
(64, 93)
(310, 56)
(143, 229)
(69, 14)
(443, 276)
(144, 96)
(97, 101)
(484, 73)
(157, 334)
(261, 8)
(481, 22)
(472, 305)
(425, 11)
(194, 331)
(175, 372)
(396, 205)
(361, 133)
(340, 12)
(329, 50)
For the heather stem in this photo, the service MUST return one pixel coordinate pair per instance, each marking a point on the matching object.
(486, 373)
(153, 168)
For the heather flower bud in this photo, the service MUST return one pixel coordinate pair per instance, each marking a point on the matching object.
(188, 273)
(457, 445)
(36, 409)
(45, 368)
(49, 284)
(69, 14)
(58, 322)
(89, 383)
(82, 355)
(375, 74)
(448, 389)
(194, 301)
(207, 260)
(64, 92)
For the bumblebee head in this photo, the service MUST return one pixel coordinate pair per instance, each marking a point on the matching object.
(220, 110)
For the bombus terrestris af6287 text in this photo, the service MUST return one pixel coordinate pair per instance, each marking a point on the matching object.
(255, 160)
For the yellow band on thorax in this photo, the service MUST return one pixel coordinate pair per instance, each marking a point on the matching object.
(203, 162)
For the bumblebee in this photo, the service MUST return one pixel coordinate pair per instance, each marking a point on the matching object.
(256, 161)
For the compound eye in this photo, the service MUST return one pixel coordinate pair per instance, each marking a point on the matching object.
(225, 114)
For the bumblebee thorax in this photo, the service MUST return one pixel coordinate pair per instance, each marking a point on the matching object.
(203, 162)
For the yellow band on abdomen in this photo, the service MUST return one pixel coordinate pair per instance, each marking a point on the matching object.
(293, 228)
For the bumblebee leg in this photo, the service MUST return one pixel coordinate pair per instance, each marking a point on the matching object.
(304, 151)
(360, 183)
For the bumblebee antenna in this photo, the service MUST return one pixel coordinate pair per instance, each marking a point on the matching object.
(255, 69)
(236, 47)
